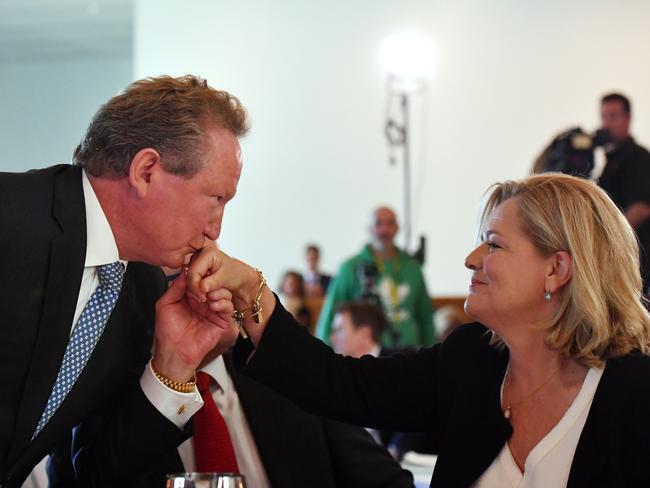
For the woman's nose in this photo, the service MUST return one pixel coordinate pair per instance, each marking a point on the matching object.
(474, 259)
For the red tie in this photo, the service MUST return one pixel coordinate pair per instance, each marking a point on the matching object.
(212, 446)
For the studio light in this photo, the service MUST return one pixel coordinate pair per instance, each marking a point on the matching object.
(407, 60)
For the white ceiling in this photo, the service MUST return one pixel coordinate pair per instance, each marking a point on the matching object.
(65, 29)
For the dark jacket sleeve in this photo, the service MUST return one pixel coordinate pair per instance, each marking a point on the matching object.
(117, 447)
(398, 393)
(357, 460)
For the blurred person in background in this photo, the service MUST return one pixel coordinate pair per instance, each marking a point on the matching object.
(399, 285)
(292, 292)
(316, 282)
(358, 330)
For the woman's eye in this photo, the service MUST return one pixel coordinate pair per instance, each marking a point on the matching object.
(491, 245)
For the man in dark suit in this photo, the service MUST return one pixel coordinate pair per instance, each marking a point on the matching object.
(149, 184)
(274, 443)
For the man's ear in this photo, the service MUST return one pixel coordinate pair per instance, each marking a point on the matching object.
(143, 165)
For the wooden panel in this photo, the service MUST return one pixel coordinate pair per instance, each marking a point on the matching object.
(314, 304)
(458, 302)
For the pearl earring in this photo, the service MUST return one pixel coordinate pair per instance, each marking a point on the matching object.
(548, 295)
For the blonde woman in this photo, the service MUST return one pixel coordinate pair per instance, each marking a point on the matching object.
(551, 386)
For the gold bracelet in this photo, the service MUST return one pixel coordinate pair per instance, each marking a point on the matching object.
(255, 309)
(187, 387)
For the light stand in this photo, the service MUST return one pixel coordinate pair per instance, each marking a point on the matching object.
(397, 135)
(406, 59)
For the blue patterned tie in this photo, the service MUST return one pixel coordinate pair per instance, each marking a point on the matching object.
(84, 337)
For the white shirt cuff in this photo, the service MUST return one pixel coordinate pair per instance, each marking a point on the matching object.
(176, 406)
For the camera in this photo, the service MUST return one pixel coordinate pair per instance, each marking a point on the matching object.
(367, 273)
(572, 152)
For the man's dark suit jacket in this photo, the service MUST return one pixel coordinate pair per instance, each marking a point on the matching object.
(453, 391)
(297, 449)
(42, 254)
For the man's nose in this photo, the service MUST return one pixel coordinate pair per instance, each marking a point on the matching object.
(213, 229)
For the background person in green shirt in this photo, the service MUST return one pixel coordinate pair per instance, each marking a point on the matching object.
(399, 285)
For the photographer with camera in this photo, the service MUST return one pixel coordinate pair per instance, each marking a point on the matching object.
(384, 275)
(626, 174)
(626, 177)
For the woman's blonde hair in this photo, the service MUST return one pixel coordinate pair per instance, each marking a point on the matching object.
(601, 313)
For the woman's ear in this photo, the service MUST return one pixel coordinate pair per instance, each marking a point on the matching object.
(561, 270)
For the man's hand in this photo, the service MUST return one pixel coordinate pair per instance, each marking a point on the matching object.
(186, 330)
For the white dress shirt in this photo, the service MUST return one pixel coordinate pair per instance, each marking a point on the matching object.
(101, 248)
(311, 278)
(227, 401)
(548, 464)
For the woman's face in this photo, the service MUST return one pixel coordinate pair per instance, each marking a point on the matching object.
(508, 273)
(291, 286)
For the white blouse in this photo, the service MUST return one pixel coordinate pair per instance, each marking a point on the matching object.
(548, 464)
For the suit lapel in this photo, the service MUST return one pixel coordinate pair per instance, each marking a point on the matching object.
(67, 256)
(588, 461)
(478, 433)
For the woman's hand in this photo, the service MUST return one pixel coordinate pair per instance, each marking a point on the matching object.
(212, 270)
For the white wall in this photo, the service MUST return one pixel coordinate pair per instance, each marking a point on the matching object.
(510, 75)
(45, 106)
